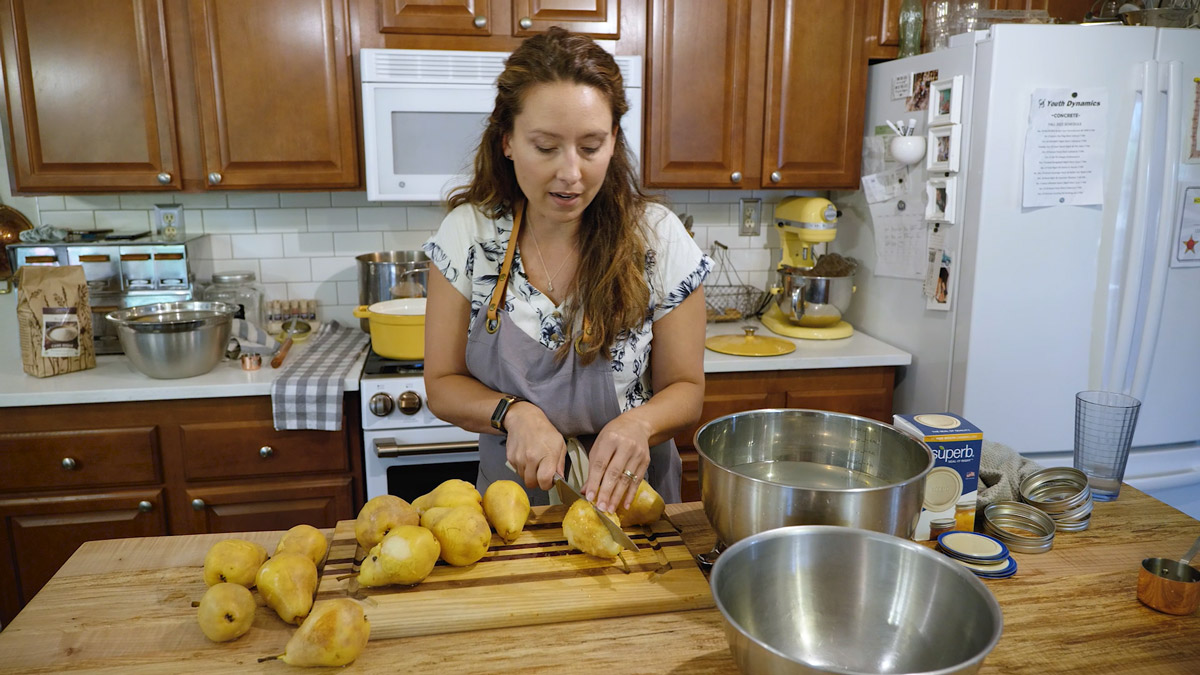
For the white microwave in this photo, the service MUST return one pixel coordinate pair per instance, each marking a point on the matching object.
(424, 111)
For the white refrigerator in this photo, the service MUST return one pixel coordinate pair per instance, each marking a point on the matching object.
(1046, 301)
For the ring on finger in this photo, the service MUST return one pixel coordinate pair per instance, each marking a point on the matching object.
(629, 474)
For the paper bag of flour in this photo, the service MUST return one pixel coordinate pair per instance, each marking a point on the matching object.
(54, 320)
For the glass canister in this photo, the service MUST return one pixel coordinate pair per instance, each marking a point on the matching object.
(239, 289)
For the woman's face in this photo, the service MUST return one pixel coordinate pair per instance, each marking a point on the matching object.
(560, 147)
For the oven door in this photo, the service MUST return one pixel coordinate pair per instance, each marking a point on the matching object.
(410, 463)
(420, 138)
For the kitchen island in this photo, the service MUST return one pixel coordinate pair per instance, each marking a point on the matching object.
(125, 606)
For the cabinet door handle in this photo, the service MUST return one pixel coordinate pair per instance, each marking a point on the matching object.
(480, 21)
(735, 177)
(266, 451)
(198, 504)
(145, 506)
(775, 177)
(69, 464)
(525, 23)
(214, 178)
(164, 178)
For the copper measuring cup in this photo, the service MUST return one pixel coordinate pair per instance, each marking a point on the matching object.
(1170, 586)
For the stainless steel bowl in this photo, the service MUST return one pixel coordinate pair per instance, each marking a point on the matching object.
(764, 469)
(170, 340)
(815, 302)
(821, 599)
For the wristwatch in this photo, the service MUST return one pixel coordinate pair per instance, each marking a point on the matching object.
(501, 410)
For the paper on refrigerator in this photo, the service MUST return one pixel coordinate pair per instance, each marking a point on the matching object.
(1065, 147)
(897, 214)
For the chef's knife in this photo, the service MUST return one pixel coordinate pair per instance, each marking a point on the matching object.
(567, 495)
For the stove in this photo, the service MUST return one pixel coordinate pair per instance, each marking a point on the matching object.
(408, 450)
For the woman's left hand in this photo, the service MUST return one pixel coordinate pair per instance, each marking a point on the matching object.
(621, 450)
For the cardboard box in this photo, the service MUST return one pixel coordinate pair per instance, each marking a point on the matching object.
(952, 486)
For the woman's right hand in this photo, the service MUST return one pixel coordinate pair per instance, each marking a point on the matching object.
(535, 449)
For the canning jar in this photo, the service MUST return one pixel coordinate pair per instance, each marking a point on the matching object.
(238, 289)
(964, 515)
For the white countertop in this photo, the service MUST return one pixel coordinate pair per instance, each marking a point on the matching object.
(857, 351)
(115, 379)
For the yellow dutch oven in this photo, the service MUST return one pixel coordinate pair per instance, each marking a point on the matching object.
(397, 328)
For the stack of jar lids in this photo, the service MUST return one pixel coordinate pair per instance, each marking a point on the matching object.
(1023, 528)
(1061, 493)
(986, 556)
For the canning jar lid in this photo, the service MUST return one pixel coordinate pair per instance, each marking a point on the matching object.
(235, 277)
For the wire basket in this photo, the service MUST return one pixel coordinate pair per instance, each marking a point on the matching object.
(729, 299)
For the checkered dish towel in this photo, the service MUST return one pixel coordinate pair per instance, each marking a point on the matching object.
(308, 393)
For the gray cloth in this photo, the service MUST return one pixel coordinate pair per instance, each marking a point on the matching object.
(42, 233)
(1001, 470)
(308, 393)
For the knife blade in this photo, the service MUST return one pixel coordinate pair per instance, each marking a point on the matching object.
(568, 495)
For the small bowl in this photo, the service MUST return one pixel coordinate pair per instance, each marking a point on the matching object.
(908, 149)
(1169, 586)
(827, 599)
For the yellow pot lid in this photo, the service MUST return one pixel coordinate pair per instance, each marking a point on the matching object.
(749, 344)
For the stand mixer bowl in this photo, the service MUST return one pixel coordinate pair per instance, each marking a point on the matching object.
(813, 301)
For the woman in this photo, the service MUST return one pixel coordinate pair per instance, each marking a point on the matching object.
(601, 278)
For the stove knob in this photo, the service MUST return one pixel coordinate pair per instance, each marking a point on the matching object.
(410, 402)
(381, 405)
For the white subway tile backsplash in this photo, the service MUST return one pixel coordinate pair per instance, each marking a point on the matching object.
(312, 244)
(343, 314)
(728, 196)
(214, 247)
(750, 259)
(676, 198)
(332, 220)
(253, 200)
(334, 269)
(356, 243)
(227, 221)
(236, 266)
(324, 292)
(283, 270)
(711, 215)
(405, 241)
(347, 292)
(425, 217)
(145, 201)
(123, 221)
(281, 220)
(275, 291)
(350, 199)
(51, 203)
(304, 199)
(91, 202)
(202, 200)
(383, 218)
(257, 245)
(72, 220)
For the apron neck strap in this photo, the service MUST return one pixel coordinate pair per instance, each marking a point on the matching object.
(493, 312)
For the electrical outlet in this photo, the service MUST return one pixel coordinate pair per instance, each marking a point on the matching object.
(750, 222)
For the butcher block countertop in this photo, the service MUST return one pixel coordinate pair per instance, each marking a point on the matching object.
(124, 606)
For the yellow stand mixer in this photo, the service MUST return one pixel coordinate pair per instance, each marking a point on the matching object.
(807, 307)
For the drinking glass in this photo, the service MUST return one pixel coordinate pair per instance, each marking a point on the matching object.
(1104, 424)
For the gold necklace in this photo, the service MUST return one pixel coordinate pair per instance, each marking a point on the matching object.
(549, 277)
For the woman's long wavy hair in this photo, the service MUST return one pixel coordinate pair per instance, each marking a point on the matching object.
(610, 288)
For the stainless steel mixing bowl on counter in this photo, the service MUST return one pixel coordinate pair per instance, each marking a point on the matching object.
(170, 340)
(764, 469)
(823, 599)
(814, 301)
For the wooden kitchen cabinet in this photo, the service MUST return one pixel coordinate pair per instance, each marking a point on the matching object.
(866, 392)
(151, 95)
(149, 468)
(755, 94)
(497, 19)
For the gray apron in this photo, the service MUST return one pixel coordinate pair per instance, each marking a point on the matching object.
(578, 400)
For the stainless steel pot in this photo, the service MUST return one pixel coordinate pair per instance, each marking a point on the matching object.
(386, 275)
(815, 302)
(170, 340)
(817, 599)
(764, 469)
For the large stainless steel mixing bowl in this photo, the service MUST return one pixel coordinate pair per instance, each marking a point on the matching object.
(170, 340)
(763, 469)
(822, 599)
(814, 302)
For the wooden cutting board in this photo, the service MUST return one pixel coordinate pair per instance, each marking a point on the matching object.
(537, 579)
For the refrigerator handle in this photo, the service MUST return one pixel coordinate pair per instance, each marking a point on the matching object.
(1129, 241)
(1161, 260)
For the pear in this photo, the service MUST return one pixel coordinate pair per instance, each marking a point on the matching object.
(305, 540)
(333, 635)
(405, 556)
(226, 611)
(585, 532)
(235, 561)
(462, 532)
(288, 582)
(379, 515)
(506, 505)
(646, 508)
(453, 492)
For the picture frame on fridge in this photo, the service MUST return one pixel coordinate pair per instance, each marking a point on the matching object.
(945, 101)
(941, 192)
(942, 148)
